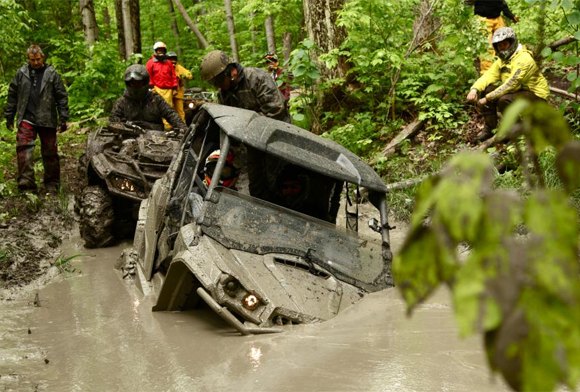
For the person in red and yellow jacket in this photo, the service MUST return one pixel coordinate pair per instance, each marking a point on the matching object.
(516, 73)
(182, 74)
(162, 77)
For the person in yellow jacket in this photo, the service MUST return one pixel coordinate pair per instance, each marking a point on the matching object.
(513, 75)
(182, 74)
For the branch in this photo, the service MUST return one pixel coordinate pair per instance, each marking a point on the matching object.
(564, 93)
(191, 24)
(561, 42)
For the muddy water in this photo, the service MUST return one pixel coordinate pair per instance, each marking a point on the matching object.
(94, 332)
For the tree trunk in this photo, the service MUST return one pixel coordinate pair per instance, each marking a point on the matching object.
(135, 13)
(270, 37)
(191, 24)
(106, 23)
(232, 30)
(174, 27)
(127, 28)
(120, 28)
(89, 21)
(320, 20)
(287, 48)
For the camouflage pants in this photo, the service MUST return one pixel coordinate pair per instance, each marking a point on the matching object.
(25, 141)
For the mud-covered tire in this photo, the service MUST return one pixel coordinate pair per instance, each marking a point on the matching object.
(96, 217)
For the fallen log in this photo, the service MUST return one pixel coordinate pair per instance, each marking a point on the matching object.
(561, 42)
(564, 93)
(408, 131)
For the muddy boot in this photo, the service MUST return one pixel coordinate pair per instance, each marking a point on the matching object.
(490, 125)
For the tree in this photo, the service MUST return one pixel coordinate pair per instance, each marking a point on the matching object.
(127, 28)
(89, 21)
(320, 17)
(120, 29)
(231, 30)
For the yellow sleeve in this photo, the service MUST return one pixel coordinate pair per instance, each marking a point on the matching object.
(491, 76)
(182, 72)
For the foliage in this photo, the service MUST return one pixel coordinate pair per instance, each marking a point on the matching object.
(97, 65)
(521, 292)
(305, 75)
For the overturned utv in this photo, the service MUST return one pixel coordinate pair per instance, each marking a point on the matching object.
(120, 165)
(245, 221)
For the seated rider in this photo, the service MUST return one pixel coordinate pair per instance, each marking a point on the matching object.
(229, 175)
(138, 104)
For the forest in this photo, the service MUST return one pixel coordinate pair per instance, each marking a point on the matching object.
(366, 73)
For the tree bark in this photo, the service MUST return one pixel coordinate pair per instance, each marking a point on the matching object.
(127, 28)
(106, 23)
(270, 36)
(90, 29)
(232, 30)
(320, 20)
(191, 24)
(174, 27)
(135, 16)
(120, 28)
(287, 46)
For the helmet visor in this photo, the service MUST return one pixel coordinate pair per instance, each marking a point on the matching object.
(218, 80)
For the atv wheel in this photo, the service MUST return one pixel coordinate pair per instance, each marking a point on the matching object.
(97, 217)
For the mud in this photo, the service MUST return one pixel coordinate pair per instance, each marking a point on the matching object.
(92, 331)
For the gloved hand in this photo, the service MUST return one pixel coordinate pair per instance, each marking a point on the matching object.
(62, 127)
(9, 124)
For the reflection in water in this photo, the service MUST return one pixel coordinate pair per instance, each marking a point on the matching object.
(255, 355)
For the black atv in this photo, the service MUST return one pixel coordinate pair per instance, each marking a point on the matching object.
(120, 165)
(193, 99)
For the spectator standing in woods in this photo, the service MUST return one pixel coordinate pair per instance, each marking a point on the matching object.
(182, 74)
(38, 101)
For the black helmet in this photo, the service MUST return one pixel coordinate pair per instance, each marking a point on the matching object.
(172, 55)
(137, 81)
(213, 64)
(136, 72)
(505, 34)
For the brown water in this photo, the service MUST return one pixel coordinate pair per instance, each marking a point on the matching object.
(95, 332)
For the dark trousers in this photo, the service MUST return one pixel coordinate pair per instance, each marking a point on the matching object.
(491, 109)
(25, 141)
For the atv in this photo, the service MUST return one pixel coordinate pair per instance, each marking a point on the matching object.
(193, 99)
(120, 165)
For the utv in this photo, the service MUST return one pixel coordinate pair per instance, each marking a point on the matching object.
(120, 165)
(245, 222)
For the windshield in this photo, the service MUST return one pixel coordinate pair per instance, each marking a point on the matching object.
(245, 223)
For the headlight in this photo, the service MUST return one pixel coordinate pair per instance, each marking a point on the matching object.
(251, 301)
(127, 185)
(233, 288)
(191, 105)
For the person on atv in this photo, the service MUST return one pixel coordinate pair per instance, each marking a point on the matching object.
(142, 106)
(513, 75)
(243, 87)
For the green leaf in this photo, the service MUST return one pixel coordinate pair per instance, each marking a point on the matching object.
(546, 52)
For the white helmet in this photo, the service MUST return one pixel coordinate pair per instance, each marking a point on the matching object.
(159, 45)
(505, 34)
